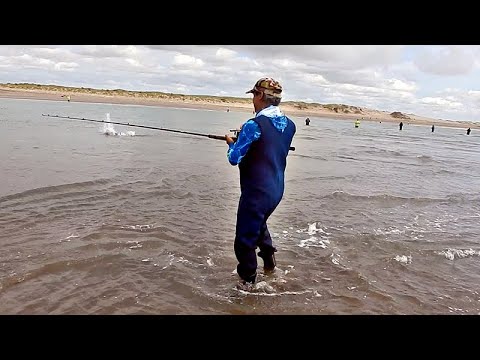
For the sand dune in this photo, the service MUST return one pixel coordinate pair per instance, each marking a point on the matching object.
(293, 108)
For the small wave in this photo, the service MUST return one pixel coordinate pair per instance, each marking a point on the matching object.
(461, 198)
(335, 259)
(384, 151)
(57, 267)
(138, 227)
(392, 230)
(314, 241)
(347, 157)
(262, 288)
(343, 195)
(424, 158)
(452, 254)
(404, 259)
(72, 236)
(445, 171)
(64, 188)
(307, 137)
(316, 157)
(312, 229)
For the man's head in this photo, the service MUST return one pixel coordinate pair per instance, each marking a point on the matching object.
(266, 92)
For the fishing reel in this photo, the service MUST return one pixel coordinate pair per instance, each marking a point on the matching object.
(235, 132)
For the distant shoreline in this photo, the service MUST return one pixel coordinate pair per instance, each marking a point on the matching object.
(299, 109)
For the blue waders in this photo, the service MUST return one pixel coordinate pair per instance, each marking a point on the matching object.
(262, 185)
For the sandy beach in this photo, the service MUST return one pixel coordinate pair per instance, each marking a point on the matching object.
(331, 111)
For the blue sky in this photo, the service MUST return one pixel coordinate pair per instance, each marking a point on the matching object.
(439, 81)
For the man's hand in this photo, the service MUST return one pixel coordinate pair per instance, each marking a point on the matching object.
(229, 139)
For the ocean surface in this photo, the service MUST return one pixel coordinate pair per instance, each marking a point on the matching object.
(98, 219)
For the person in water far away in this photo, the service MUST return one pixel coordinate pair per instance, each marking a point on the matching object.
(261, 153)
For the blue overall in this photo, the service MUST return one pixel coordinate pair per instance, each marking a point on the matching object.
(262, 187)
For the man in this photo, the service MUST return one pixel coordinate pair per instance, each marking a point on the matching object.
(261, 154)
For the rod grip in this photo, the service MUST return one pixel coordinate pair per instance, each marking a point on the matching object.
(234, 138)
(217, 137)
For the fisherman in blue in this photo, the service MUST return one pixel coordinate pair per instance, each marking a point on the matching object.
(261, 154)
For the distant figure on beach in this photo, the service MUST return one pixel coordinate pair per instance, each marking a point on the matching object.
(400, 125)
(357, 123)
(307, 121)
(468, 131)
(228, 110)
(433, 128)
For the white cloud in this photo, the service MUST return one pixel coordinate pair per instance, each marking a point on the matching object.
(133, 62)
(65, 66)
(109, 50)
(443, 102)
(225, 54)
(187, 61)
(414, 79)
(446, 60)
(396, 84)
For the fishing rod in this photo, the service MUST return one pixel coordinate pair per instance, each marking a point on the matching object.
(216, 137)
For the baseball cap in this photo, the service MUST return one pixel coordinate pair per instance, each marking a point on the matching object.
(268, 86)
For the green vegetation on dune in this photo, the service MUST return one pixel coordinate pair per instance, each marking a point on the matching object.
(121, 92)
(338, 108)
(300, 105)
(349, 110)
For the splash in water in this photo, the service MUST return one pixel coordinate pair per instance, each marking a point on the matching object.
(108, 129)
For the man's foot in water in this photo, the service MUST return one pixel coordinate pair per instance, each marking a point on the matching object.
(269, 262)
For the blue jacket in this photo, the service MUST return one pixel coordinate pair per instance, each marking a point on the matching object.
(261, 153)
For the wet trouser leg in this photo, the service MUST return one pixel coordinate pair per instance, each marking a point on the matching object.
(266, 247)
(251, 231)
(265, 240)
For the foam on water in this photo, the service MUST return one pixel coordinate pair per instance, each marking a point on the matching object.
(404, 259)
(452, 254)
(262, 288)
(138, 227)
(321, 240)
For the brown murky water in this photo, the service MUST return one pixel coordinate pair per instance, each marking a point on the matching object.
(374, 220)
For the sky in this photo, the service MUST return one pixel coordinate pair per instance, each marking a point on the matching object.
(437, 81)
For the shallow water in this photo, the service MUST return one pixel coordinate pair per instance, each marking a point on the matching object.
(374, 220)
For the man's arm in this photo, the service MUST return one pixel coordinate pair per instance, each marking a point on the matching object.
(237, 150)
